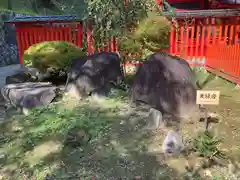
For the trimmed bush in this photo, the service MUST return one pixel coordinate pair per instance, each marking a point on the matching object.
(153, 32)
(54, 56)
(151, 35)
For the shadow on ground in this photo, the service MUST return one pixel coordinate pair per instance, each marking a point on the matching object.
(33, 146)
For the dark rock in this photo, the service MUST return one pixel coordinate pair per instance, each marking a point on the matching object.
(30, 74)
(167, 84)
(19, 78)
(29, 95)
(57, 79)
(26, 74)
(93, 74)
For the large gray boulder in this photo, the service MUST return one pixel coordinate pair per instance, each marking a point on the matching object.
(167, 84)
(29, 95)
(94, 74)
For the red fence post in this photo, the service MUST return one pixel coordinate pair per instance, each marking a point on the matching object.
(114, 44)
(79, 35)
(90, 39)
(19, 44)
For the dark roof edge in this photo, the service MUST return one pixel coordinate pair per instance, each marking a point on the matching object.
(44, 18)
(180, 15)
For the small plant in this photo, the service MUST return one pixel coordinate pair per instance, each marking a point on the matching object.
(202, 76)
(206, 145)
(215, 178)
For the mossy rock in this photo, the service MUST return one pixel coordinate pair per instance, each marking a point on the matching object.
(53, 55)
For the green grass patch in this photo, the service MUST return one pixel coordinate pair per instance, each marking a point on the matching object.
(56, 121)
(202, 76)
(33, 146)
(25, 139)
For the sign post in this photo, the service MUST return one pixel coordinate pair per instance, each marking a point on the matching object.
(207, 98)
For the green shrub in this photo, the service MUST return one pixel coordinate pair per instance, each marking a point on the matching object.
(54, 55)
(151, 34)
(129, 45)
(207, 145)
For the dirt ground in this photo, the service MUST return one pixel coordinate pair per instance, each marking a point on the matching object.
(227, 128)
(125, 151)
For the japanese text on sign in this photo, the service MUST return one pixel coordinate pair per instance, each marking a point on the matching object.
(208, 97)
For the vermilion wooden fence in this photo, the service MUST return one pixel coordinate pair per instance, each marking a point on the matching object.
(29, 33)
(209, 42)
(212, 41)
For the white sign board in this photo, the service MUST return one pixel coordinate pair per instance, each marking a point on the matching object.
(208, 97)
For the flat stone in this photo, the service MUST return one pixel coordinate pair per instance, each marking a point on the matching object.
(29, 95)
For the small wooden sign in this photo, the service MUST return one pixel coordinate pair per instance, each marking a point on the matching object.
(208, 97)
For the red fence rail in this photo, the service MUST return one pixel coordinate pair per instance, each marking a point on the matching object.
(28, 34)
(109, 45)
(213, 42)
